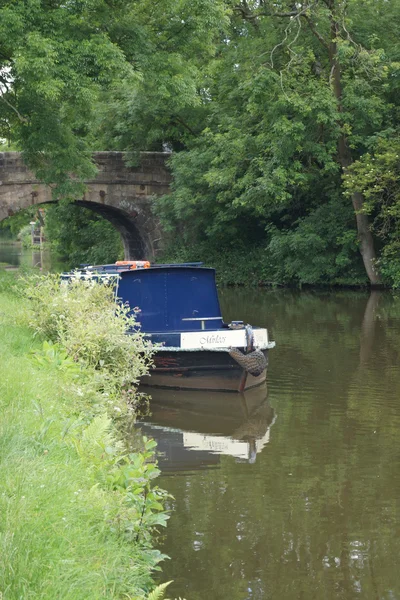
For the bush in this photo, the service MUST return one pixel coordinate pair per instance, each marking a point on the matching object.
(95, 331)
(25, 236)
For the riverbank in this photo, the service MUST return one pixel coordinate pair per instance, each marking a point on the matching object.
(68, 526)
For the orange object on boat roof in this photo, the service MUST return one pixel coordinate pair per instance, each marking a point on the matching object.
(133, 264)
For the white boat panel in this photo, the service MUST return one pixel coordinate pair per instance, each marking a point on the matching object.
(211, 340)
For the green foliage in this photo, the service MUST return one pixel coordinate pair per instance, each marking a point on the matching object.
(64, 57)
(265, 106)
(79, 75)
(5, 233)
(319, 249)
(54, 356)
(265, 168)
(170, 48)
(141, 510)
(95, 439)
(25, 236)
(159, 592)
(85, 320)
(8, 282)
(79, 512)
(18, 221)
(234, 264)
(376, 175)
(55, 60)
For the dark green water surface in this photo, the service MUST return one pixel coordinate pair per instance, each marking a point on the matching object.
(291, 492)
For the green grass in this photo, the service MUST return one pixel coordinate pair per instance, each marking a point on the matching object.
(58, 538)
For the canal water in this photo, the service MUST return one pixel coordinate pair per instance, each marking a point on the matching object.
(291, 492)
(14, 255)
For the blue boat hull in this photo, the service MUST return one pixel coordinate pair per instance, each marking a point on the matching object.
(201, 370)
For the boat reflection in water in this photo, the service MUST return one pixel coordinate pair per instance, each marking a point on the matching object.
(193, 429)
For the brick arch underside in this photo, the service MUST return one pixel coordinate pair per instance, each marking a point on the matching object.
(135, 242)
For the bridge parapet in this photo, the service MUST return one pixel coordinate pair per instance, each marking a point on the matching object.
(123, 195)
(13, 169)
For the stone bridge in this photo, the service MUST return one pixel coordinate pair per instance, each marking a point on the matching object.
(122, 195)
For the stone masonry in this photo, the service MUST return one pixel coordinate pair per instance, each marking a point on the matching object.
(123, 195)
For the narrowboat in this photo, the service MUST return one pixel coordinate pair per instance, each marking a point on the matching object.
(177, 307)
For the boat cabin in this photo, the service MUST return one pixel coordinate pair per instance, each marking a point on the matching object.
(166, 297)
(177, 298)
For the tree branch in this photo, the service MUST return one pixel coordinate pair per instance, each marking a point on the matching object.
(20, 117)
(177, 119)
(249, 16)
(300, 13)
(315, 32)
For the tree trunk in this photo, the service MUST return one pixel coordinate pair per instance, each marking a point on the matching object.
(365, 237)
(366, 240)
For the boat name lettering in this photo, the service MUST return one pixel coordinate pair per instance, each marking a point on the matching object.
(212, 339)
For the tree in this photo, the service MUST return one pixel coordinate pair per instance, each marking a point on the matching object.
(166, 107)
(267, 105)
(376, 176)
(297, 92)
(98, 74)
(55, 60)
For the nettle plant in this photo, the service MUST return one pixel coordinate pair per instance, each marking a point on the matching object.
(140, 511)
(83, 316)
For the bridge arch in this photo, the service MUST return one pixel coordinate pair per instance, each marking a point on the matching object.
(136, 241)
(122, 195)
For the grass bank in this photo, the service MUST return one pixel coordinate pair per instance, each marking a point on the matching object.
(78, 512)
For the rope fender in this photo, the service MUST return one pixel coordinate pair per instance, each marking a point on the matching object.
(254, 361)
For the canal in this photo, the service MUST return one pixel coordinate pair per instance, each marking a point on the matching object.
(14, 255)
(291, 491)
